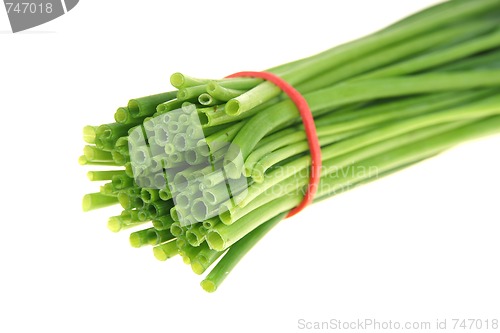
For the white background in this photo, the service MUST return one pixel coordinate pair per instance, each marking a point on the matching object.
(420, 245)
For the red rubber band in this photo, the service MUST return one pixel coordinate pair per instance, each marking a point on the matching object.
(310, 129)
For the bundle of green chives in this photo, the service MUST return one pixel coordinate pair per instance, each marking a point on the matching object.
(206, 170)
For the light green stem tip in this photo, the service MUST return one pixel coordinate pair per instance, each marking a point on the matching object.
(97, 200)
(208, 286)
